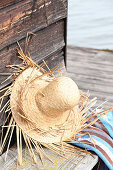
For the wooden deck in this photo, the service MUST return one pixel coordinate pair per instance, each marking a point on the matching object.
(92, 70)
(86, 161)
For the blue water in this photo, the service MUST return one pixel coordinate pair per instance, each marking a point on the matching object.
(90, 23)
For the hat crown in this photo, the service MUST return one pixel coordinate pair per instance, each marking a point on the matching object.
(58, 96)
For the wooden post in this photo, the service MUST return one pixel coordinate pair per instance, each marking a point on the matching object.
(43, 20)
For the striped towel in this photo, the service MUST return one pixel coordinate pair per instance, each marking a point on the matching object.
(99, 138)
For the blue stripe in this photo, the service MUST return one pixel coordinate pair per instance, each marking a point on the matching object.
(83, 145)
(104, 143)
(109, 124)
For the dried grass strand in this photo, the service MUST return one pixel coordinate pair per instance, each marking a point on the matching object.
(6, 135)
(10, 140)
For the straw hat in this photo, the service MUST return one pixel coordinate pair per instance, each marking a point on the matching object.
(45, 109)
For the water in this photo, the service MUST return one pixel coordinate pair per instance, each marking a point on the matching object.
(90, 23)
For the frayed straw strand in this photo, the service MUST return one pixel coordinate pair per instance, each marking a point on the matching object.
(9, 140)
(6, 135)
(19, 145)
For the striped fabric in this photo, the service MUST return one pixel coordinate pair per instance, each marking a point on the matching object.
(99, 138)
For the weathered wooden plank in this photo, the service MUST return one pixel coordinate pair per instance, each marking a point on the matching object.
(101, 92)
(92, 69)
(92, 65)
(92, 79)
(5, 3)
(84, 162)
(44, 44)
(94, 86)
(92, 55)
(54, 60)
(28, 16)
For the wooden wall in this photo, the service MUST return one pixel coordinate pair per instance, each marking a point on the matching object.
(45, 18)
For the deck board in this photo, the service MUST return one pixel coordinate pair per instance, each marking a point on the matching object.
(84, 162)
(92, 70)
